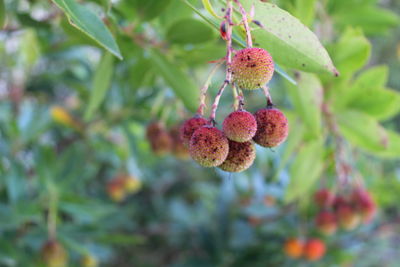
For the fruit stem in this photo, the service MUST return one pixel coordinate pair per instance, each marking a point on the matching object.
(249, 40)
(228, 59)
(270, 104)
(341, 166)
(203, 90)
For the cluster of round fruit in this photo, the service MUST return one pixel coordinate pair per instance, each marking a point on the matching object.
(163, 141)
(346, 210)
(231, 149)
(53, 254)
(312, 249)
(121, 186)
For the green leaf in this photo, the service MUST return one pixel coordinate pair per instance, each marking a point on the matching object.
(305, 11)
(189, 31)
(100, 84)
(362, 131)
(207, 5)
(306, 98)
(30, 48)
(393, 148)
(351, 52)
(372, 19)
(373, 77)
(2, 14)
(290, 42)
(149, 9)
(88, 22)
(179, 81)
(305, 170)
(344, 93)
(379, 103)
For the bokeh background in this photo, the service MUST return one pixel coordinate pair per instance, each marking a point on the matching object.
(73, 122)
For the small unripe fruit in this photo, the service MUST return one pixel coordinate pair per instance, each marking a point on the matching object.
(209, 146)
(116, 189)
(158, 136)
(326, 222)
(272, 127)
(132, 184)
(240, 126)
(89, 261)
(179, 150)
(53, 254)
(252, 68)
(314, 249)
(241, 156)
(294, 248)
(324, 198)
(347, 217)
(189, 127)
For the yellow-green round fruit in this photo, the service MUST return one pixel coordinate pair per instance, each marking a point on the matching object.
(252, 68)
(54, 254)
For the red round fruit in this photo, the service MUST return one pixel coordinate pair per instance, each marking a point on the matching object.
(272, 127)
(209, 146)
(314, 249)
(189, 126)
(240, 157)
(240, 126)
(326, 222)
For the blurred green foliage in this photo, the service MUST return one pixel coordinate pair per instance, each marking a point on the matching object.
(112, 67)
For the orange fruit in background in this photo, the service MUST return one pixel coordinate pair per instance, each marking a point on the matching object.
(294, 248)
(314, 249)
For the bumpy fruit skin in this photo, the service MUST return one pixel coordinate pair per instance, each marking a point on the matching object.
(272, 127)
(348, 217)
(53, 254)
(158, 136)
(209, 146)
(314, 249)
(326, 222)
(189, 127)
(252, 68)
(294, 248)
(324, 198)
(240, 126)
(241, 156)
(179, 150)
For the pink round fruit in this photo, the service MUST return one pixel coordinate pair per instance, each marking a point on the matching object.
(272, 127)
(239, 126)
(209, 146)
(189, 126)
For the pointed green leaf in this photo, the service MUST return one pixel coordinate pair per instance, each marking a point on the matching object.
(290, 42)
(351, 52)
(100, 85)
(362, 131)
(179, 81)
(88, 22)
(189, 31)
(393, 148)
